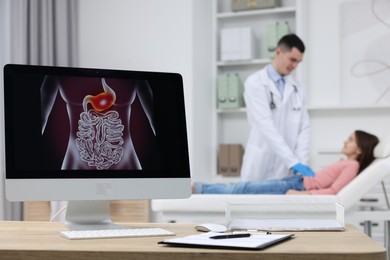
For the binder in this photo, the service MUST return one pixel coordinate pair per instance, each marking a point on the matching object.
(229, 91)
(230, 159)
(253, 242)
(275, 32)
(223, 160)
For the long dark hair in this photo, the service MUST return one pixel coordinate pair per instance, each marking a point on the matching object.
(366, 142)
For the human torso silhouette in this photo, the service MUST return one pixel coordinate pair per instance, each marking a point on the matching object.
(99, 135)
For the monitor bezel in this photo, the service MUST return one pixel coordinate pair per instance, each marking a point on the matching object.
(45, 189)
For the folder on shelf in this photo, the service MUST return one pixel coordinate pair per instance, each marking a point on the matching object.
(275, 32)
(229, 91)
(230, 159)
(252, 242)
(223, 160)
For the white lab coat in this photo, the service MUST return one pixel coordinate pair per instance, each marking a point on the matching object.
(278, 138)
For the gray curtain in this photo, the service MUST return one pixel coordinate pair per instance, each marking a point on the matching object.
(44, 32)
(4, 54)
(41, 32)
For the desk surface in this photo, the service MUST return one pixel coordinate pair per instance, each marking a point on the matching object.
(38, 240)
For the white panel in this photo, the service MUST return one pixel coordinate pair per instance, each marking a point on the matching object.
(322, 54)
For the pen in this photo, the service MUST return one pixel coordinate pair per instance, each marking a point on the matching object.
(253, 232)
(231, 236)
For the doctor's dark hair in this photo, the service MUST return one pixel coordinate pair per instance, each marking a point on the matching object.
(290, 41)
(366, 142)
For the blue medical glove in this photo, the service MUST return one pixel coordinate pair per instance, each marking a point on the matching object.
(303, 169)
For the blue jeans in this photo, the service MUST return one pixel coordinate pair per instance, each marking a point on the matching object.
(278, 186)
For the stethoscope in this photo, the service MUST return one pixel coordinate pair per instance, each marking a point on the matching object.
(297, 105)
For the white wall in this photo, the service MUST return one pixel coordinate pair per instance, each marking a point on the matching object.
(322, 52)
(155, 35)
(330, 127)
(203, 84)
(143, 35)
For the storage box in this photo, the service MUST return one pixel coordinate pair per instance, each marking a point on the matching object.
(243, 5)
(275, 32)
(237, 44)
(223, 159)
(230, 159)
(229, 91)
(236, 152)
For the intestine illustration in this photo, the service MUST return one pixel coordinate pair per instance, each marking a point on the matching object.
(99, 138)
(105, 116)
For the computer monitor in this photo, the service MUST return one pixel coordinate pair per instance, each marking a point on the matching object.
(89, 136)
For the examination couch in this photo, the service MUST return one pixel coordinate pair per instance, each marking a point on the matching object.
(211, 207)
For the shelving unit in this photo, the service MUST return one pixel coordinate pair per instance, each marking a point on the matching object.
(258, 21)
(231, 126)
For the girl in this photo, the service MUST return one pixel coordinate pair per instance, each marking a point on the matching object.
(358, 148)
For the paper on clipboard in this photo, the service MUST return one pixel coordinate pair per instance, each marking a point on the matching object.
(204, 240)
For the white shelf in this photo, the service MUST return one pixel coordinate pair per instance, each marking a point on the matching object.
(243, 62)
(319, 108)
(232, 111)
(340, 108)
(239, 14)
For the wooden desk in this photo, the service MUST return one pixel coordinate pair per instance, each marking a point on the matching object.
(39, 240)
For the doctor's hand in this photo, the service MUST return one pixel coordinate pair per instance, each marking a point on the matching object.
(303, 169)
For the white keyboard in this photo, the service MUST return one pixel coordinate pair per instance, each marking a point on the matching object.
(116, 233)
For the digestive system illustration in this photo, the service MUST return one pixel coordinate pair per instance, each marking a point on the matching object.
(100, 130)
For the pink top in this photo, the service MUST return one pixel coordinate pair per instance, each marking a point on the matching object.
(332, 178)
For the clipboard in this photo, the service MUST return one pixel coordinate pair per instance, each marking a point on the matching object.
(204, 240)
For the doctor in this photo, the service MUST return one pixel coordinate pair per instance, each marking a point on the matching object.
(277, 114)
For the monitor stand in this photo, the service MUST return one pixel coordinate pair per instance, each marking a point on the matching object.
(89, 215)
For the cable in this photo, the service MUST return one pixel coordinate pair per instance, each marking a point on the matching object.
(58, 212)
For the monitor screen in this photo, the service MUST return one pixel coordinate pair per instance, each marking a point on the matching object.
(83, 134)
